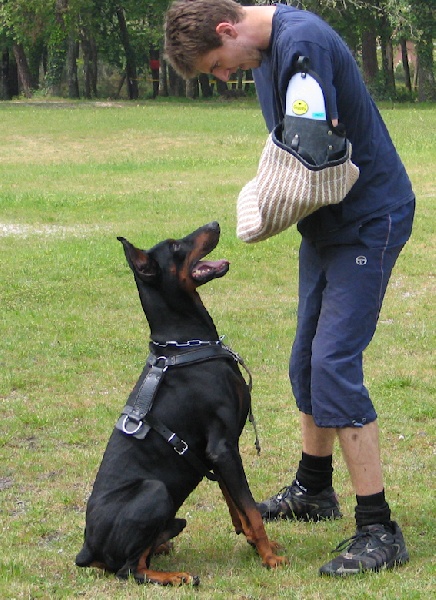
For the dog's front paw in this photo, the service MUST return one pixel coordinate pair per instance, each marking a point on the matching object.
(273, 561)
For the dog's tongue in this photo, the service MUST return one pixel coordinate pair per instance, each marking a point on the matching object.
(206, 269)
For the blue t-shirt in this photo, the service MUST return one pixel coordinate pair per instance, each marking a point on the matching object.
(383, 183)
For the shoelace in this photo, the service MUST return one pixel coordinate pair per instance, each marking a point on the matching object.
(281, 493)
(358, 541)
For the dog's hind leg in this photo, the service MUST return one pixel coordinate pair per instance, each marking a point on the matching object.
(144, 574)
(163, 545)
(143, 526)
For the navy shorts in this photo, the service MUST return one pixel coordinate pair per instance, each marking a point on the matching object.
(341, 289)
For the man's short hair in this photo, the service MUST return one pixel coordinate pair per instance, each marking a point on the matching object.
(190, 30)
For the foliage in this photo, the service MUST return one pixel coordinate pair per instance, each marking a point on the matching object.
(35, 25)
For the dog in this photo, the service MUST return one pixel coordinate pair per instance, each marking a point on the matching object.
(181, 422)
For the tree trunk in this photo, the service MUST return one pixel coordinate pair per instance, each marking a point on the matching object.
(89, 50)
(4, 72)
(192, 88)
(35, 55)
(416, 73)
(249, 77)
(176, 84)
(132, 79)
(73, 82)
(406, 66)
(388, 65)
(221, 87)
(163, 79)
(369, 56)
(5, 93)
(120, 86)
(23, 70)
(94, 66)
(426, 79)
(206, 88)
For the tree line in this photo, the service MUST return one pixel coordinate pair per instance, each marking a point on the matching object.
(72, 48)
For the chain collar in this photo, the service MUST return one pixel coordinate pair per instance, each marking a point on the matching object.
(188, 343)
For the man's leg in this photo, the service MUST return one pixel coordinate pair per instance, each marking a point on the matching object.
(338, 393)
(310, 496)
(361, 451)
(316, 441)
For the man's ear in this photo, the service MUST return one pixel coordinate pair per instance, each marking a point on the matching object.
(226, 29)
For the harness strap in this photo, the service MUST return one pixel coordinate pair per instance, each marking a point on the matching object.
(251, 418)
(140, 401)
(180, 446)
(136, 419)
(131, 420)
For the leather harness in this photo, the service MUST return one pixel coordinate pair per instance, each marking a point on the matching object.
(136, 419)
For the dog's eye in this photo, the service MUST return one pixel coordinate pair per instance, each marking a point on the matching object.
(178, 251)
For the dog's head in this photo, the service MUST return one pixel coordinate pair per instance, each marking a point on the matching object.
(167, 277)
(178, 263)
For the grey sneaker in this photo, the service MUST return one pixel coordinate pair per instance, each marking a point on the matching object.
(374, 547)
(293, 502)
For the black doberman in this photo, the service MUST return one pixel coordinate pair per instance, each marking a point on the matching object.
(182, 420)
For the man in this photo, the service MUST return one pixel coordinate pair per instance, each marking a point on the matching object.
(346, 257)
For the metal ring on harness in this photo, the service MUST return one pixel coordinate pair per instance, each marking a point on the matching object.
(138, 427)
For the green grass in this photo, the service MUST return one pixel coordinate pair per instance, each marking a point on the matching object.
(74, 339)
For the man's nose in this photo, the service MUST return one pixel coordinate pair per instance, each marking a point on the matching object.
(223, 74)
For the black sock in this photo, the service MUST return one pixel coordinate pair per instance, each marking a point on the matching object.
(372, 509)
(314, 473)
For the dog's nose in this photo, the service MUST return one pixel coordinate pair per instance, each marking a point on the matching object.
(213, 225)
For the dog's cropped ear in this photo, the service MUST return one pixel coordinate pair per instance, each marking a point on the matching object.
(145, 267)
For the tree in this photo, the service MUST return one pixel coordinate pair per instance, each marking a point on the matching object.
(57, 48)
(48, 36)
(22, 25)
(23, 69)
(423, 19)
(131, 74)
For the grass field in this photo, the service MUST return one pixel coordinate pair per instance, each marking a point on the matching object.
(74, 339)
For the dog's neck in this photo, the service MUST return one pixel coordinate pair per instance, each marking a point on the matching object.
(178, 321)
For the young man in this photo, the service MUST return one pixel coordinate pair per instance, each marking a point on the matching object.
(346, 257)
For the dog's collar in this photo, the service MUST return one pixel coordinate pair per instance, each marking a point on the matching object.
(187, 344)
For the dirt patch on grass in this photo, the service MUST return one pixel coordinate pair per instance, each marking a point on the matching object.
(24, 230)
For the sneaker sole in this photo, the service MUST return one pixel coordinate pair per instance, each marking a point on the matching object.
(344, 572)
(305, 517)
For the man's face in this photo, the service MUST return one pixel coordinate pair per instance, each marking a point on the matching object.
(234, 54)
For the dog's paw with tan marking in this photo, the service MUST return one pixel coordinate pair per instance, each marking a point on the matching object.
(273, 561)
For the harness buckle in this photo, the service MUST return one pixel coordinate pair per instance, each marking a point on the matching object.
(133, 431)
(180, 446)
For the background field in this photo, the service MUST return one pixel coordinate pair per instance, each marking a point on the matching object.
(73, 341)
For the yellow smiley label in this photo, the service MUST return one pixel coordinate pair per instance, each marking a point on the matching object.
(300, 107)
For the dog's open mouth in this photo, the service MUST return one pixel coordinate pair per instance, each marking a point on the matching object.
(205, 270)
